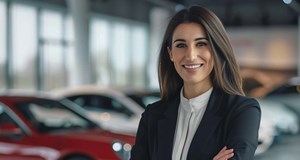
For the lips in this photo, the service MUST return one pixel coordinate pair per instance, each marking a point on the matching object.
(192, 66)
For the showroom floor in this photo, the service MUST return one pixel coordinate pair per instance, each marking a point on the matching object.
(286, 148)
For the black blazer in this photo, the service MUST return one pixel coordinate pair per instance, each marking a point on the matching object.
(229, 120)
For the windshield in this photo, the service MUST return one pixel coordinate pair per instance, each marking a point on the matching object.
(48, 116)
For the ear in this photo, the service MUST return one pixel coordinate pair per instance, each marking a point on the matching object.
(170, 53)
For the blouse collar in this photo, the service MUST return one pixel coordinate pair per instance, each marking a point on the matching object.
(195, 104)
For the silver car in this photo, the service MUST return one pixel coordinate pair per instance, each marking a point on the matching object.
(109, 107)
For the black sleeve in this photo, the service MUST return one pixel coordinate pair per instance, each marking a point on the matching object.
(243, 132)
(140, 149)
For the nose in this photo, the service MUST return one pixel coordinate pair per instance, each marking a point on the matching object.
(191, 54)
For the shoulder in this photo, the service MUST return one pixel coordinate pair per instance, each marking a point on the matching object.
(239, 103)
(162, 107)
(231, 104)
(232, 101)
(243, 100)
(157, 108)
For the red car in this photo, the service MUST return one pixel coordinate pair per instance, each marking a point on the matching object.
(39, 128)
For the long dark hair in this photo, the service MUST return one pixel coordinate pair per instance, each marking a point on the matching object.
(225, 74)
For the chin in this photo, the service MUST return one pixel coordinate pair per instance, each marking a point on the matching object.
(197, 80)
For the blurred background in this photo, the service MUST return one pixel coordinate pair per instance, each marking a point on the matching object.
(48, 45)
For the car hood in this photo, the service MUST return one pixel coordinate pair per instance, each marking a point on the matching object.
(114, 122)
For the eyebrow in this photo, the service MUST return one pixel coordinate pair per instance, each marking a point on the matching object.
(201, 38)
(197, 39)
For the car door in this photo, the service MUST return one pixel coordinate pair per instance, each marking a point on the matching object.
(109, 112)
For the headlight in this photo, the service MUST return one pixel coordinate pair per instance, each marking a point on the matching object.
(122, 149)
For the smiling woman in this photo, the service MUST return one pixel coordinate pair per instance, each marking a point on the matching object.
(192, 56)
(203, 113)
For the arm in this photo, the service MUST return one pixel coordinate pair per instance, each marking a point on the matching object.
(140, 149)
(243, 131)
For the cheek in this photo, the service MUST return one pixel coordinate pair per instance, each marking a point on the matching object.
(209, 57)
(177, 55)
(177, 62)
(210, 61)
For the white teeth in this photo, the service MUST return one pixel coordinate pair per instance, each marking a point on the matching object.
(193, 66)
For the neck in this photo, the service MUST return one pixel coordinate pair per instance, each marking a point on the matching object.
(192, 91)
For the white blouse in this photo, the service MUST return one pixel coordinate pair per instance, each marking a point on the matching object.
(190, 114)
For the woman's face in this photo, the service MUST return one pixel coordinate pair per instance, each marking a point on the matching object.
(191, 54)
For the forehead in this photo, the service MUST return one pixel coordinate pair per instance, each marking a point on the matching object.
(189, 30)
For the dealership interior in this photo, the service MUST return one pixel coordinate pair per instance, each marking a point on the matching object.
(51, 46)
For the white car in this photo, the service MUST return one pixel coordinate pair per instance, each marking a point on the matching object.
(285, 120)
(110, 108)
(287, 94)
(266, 135)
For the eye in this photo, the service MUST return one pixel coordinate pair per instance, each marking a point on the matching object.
(201, 44)
(180, 45)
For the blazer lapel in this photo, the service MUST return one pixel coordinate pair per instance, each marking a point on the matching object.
(166, 130)
(208, 124)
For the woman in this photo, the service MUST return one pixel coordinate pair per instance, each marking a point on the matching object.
(203, 113)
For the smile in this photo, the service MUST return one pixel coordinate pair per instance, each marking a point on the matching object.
(193, 66)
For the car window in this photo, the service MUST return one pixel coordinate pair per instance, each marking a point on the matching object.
(48, 116)
(144, 99)
(101, 103)
(7, 124)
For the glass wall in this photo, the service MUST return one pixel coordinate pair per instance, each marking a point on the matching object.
(120, 54)
(119, 51)
(69, 51)
(52, 50)
(139, 56)
(42, 49)
(2, 44)
(99, 40)
(24, 46)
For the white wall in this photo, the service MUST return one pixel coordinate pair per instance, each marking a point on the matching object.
(270, 48)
